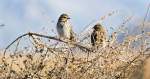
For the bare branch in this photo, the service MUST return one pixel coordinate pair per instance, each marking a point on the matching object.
(49, 37)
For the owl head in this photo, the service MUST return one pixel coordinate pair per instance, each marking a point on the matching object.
(97, 27)
(64, 17)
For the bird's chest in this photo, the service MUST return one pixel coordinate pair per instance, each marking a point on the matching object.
(99, 36)
(65, 29)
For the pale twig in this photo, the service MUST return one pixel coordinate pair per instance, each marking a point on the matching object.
(146, 15)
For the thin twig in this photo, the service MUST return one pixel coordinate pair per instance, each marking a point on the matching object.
(146, 15)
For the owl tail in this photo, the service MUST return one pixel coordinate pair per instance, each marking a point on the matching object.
(72, 37)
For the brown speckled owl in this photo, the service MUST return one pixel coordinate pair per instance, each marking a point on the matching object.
(98, 36)
(64, 28)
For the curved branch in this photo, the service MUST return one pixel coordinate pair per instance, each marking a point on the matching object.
(44, 36)
(14, 42)
(57, 39)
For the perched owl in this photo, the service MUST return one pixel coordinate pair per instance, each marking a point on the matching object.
(98, 36)
(64, 28)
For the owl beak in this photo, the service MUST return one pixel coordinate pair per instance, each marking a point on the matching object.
(68, 18)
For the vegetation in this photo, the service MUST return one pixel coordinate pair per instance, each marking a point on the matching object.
(37, 56)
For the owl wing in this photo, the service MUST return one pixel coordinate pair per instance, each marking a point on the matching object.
(93, 38)
(104, 33)
(60, 26)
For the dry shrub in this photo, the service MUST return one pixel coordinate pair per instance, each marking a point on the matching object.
(54, 58)
(40, 60)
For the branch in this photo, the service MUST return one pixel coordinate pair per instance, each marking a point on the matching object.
(14, 42)
(146, 15)
(54, 38)
(44, 36)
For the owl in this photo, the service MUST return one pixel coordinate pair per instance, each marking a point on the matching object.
(98, 36)
(64, 28)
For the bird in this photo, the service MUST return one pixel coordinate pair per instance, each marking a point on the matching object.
(64, 28)
(98, 36)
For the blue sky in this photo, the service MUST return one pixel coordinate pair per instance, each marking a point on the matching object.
(21, 16)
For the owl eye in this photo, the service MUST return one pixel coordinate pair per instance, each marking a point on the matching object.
(66, 17)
